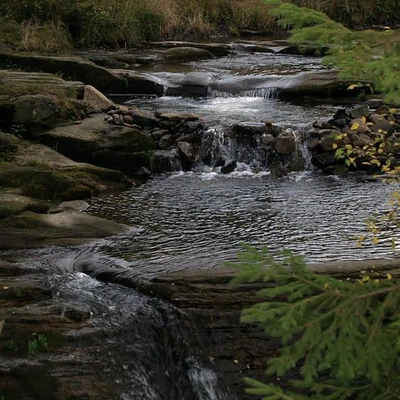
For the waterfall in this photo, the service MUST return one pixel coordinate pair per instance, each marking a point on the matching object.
(266, 93)
(150, 350)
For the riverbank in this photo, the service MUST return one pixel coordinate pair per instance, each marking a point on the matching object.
(54, 26)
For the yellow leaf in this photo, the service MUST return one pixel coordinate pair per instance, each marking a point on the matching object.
(389, 276)
(334, 146)
(375, 240)
(352, 86)
(355, 126)
(363, 119)
(326, 286)
(365, 278)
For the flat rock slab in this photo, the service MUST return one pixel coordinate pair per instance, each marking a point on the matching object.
(67, 228)
(41, 81)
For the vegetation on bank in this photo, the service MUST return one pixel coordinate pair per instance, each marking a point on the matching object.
(57, 25)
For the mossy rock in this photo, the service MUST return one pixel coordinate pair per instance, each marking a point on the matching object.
(41, 182)
(25, 220)
(9, 208)
(9, 144)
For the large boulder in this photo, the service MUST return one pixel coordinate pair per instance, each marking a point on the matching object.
(96, 141)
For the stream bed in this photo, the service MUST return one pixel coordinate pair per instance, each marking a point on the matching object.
(198, 219)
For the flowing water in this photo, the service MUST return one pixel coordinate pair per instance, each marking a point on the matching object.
(198, 219)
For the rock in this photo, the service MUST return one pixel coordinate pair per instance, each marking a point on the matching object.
(340, 170)
(285, 143)
(191, 84)
(97, 142)
(143, 173)
(327, 143)
(96, 99)
(166, 161)
(186, 54)
(376, 118)
(218, 49)
(29, 230)
(316, 87)
(228, 167)
(159, 133)
(192, 126)
(383, 109)
(9, 144)
(128, 119)
(73, 205)
(34, 109)
(117, 120)
(76, 68)
(187, 151)
(359, 112)
(144, 118)
(165, 142)
(12, 203)
(374, 103)
(178, 117)
(324, 160)
(358, 125)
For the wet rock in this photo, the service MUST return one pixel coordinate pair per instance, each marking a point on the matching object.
(383, 109)
(218, 49)
(159, 133)
(117, 120)
(285, 144)
(187, 151)
(359, 112)
(186, 54)
(316, 87)
(29, 230)
(359, 125)
(165, 141)
(177, 117)
(324, 160)
(128, 119)
(228, 167)
(143, 173)
(374, 103)
(166, 161)
(144, 118)
(327, 143)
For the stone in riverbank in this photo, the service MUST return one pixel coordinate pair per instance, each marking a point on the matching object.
(359, 139)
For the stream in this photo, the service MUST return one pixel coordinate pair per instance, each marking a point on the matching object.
(198, 219)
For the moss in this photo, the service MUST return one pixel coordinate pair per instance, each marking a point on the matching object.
(26, 220)
(41, 182)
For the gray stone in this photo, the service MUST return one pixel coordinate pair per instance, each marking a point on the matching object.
(34, 109)
(144, 118)
(228, 167)
(165, 142)
(187, 151)
(96, 99)
(285, 144)
(117, 119)
(374, 103)
(359, 112)
(159, 133)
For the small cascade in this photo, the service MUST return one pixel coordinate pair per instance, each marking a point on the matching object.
(151, 352)
(266, 93)
(302, 150)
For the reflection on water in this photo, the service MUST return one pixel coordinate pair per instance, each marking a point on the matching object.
(198, 220)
